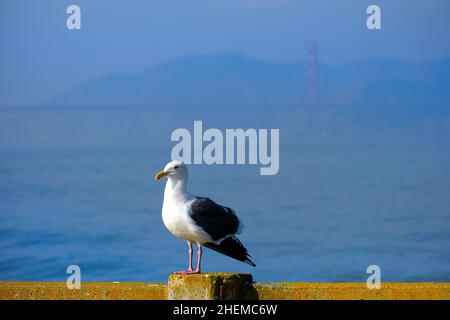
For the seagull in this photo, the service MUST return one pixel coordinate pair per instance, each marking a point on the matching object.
(199, 220)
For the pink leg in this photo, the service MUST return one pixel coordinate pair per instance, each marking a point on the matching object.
(199, 261)
(190, 270)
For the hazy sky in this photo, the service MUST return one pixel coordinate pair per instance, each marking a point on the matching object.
(40, 57)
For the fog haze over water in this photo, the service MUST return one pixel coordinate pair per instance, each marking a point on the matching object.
(86, 118)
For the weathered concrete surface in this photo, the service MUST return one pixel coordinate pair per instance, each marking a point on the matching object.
(208, 286)
(352, 291)
(88, 291)
(222, 286)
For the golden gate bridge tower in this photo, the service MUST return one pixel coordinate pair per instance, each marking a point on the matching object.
(312, 101)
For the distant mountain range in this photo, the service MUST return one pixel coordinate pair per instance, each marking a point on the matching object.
(235, 81)
(231, 91)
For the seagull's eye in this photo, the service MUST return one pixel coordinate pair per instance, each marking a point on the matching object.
(176, 167)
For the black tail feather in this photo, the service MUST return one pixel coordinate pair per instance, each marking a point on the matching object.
(233, 248)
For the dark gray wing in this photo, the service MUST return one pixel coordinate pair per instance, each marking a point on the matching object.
(218, 221)
(232, 247)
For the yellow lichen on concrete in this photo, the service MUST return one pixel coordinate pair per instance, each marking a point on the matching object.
(352, 291)
(214, 286)
(207, 286)
(89, 291)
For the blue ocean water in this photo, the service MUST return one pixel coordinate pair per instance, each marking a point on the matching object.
(336, 207)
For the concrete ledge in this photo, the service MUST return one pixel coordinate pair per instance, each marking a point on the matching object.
(352, 291)
(215, 286)
(88, 291)
(209, 286)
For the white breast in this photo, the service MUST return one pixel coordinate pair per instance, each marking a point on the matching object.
(176, 218)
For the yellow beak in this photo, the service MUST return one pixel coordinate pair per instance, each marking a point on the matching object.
(160, 175)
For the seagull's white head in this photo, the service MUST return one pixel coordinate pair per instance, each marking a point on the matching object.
(175, 170)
